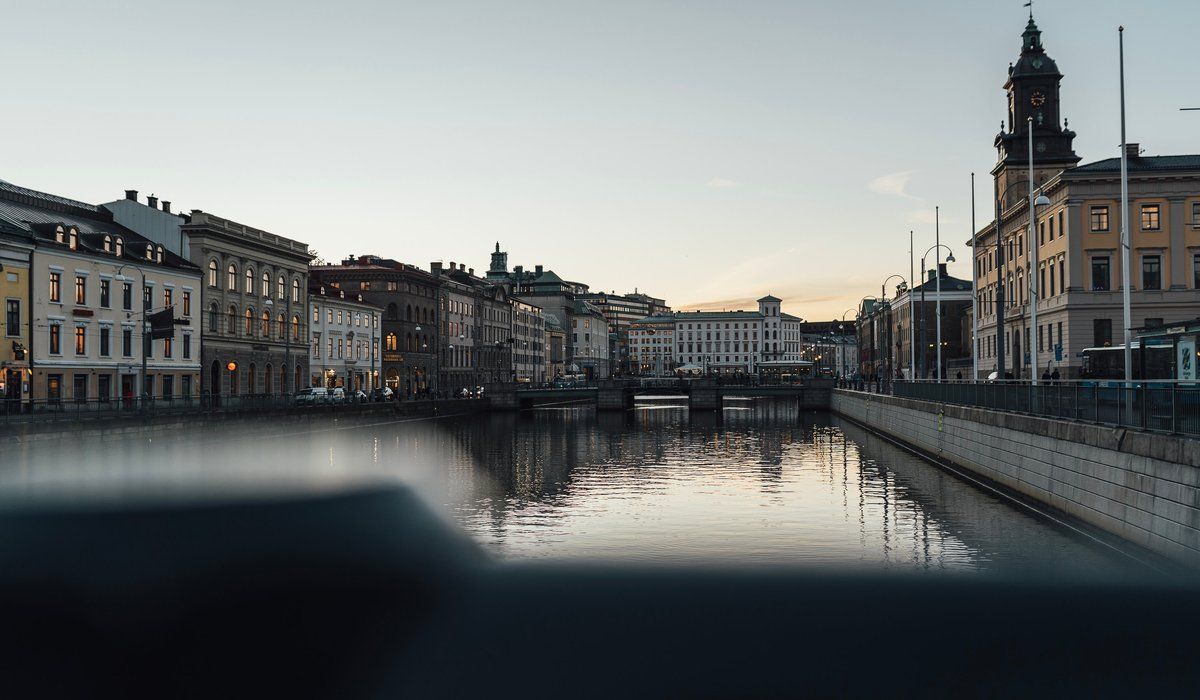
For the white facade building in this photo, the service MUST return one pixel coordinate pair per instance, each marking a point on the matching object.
(652, 345)
(737, 342)
(346, 345)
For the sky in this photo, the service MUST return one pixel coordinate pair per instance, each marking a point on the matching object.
(705, 152)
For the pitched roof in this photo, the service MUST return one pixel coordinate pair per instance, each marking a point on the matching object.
(39, 214)
(770, 298)
(1140, 164)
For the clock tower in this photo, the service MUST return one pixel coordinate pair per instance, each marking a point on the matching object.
(1033, 93)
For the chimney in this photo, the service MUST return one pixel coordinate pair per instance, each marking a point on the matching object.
(436, 269)
(538, 270)
(471, 271)
(462, 267)
(932, 276)
(1132, 150)
(131, 195)
(452, 266)
(942, 269)
(152, 202)
(518, 270)
(166, 206)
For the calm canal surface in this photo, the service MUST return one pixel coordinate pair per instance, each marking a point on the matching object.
(762, 485)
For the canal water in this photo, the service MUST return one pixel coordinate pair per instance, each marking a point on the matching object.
(759, 484)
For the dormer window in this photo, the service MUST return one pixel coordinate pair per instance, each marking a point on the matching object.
(120, 247)
(58, 235)
(73, 239)
(149, 252)
(107, 244)
(158, 254)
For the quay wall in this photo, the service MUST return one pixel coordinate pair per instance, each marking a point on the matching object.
(1141, 487)
(111, 426)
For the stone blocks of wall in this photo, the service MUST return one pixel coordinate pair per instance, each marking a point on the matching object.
(1141, 487)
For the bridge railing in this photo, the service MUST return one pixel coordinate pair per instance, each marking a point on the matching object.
(1166, 406)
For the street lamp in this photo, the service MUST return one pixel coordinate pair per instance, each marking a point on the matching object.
(145, 335)
(938, 312)
(883, 291)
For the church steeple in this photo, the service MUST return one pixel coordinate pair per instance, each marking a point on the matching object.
(1033, 93)
(499, 261)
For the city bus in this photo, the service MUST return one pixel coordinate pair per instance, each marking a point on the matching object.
(1108, 363)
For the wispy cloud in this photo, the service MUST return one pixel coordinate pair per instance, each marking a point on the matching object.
(721, 183)
(893, 184)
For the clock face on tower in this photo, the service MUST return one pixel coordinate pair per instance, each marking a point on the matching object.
(1038, 98)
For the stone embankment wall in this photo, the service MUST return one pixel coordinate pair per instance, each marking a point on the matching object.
(1141, 487)
(100, 427)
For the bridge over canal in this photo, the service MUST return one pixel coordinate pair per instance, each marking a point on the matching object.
(701, 394)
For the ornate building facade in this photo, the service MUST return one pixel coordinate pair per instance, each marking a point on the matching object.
(1071, 266)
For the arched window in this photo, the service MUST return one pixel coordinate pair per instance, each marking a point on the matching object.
(214, 320)
(296, 291)
(279, 292)
(120, 247)
(408, 342)
(231, 274)
(232, 321)
(252, 379)
(266, 325)
(266, 285)
(108, 244)
(282, 325)
(249, 288)
(149, 252)
(299, 375)
(408, 312)
(267, 379)
(392, 310)
(296, 329)
(212, 273)
(390, 342)
(248, 328)
(158, 254)
(59, 235)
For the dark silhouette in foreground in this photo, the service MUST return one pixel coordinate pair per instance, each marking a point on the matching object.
(371, 594)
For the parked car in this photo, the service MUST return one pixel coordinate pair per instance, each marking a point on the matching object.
(382, 393)
(337, 395)
(312, 396)
(360, 396)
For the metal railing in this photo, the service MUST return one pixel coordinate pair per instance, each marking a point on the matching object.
(1166, 406)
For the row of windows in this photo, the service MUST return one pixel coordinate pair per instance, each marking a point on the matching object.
(105, 386)
(342, 349)
(231, 281)
(81, 294)
(116, 246)
(412, 343)
(81, 335)
(1150, 217)
(344, 317)
(251, 325)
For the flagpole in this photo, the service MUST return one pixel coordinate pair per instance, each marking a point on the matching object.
(1125, 276)
(974, 292)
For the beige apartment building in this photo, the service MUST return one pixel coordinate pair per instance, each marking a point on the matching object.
(94, 282)
(1072, 266)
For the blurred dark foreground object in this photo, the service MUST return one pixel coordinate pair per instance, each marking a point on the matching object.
(369, 594)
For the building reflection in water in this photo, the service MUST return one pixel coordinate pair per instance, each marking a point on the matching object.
(758, 484)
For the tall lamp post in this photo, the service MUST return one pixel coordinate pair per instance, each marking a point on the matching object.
(842, 327)
(883, 298)
(145, 332)
(938, 275)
